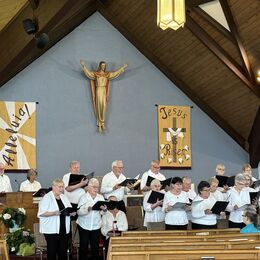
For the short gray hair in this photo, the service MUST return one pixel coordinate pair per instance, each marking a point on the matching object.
(74, 162)
(57, 181)
(115, 163)
(93, 181)
(239, 177)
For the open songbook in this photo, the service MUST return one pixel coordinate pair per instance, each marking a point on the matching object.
(164, 183)
(179, 205)
(155, 196)
(76, 178)
(41, 192)
(219, 206)
(135, 181)
(225, 180)
(67, 211)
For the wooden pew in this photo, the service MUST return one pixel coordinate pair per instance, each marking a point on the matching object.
(180, 232)
(252, 254)
(3, 250)
(180, 238)
(184, 246)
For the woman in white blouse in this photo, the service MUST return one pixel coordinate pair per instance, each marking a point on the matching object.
(202, 216)
(30, 184)
(54, 225)
(238, 198)
(176, 217)
(89, 221)
(153, 212)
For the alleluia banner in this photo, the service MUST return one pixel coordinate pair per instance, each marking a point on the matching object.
(174, 136)
(18, 135)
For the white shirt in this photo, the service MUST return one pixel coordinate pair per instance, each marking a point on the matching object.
(241, 199)
(191, 194)
(217, 195)
(175, 216)
(109, 181)
(198, 208)
(5, 184)
(74, 195)
(28, 186)
(89, 220)
(51, 224)
(108, 219)
(157, 176)
(152, 215)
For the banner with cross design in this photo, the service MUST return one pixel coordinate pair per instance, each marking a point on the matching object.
(174, 136)
(18, 135)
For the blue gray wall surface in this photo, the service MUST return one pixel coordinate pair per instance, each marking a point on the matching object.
(66, 123)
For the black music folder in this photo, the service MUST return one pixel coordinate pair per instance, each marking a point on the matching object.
(127, 181)
(76, 178)
(166, 182)
(110, 204)
(149, 180)
(225, 180)
(256, 184)
(219, 206)
(254, 196)
(67, 211)
(41, 192)
(155, 196)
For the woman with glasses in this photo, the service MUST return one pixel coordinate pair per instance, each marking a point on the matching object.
(251, 220)
(239, 199)
(53, 223)
(153, 211)
(202, 216)
(89, 221)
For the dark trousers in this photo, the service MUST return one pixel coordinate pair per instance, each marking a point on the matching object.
(57, 245)
(86, 237)
(199, 226)
(176, 227)
(235, 225)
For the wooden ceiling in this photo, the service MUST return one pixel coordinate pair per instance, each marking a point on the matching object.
(214, 67)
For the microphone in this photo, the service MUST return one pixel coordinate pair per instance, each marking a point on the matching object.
(18, 184)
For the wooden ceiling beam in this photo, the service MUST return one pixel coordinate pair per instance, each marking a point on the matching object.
(200, 12)
(239, 44)
(101, 7)
(220, 53)
(26, 51)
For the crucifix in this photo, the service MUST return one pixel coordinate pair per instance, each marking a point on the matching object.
(174, 137)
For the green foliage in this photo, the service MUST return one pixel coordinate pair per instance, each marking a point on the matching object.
(17, 238)
(26, 249)
(12, 216)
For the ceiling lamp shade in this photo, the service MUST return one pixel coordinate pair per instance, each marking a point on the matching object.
(170, 14)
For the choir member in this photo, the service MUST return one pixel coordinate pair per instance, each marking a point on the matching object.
(30, 184)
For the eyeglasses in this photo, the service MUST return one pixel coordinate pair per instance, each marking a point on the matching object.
(206, 190)
(221, 169)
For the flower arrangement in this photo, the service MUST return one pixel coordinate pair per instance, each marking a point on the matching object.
(20, 242)
(12, 217)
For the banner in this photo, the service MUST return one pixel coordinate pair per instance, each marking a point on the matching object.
(18, 135)
(174, 136)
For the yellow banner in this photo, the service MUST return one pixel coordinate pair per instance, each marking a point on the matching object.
(18, 135)
(174, 136)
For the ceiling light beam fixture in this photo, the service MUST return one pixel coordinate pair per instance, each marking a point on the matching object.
(171, 14)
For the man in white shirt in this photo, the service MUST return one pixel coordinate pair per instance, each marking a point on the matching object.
(110, 182)
(30, 184)
(5, 184)
(74, 192)
(153, 172)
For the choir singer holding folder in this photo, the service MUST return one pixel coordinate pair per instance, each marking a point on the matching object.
(74, 192)
(111, 182)
(152, 204)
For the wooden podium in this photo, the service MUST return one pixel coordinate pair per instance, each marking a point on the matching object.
(19, 200)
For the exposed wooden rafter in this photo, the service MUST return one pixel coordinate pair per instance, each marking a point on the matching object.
(220, 53)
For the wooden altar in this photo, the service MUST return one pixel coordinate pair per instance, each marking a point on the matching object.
(19, 200)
